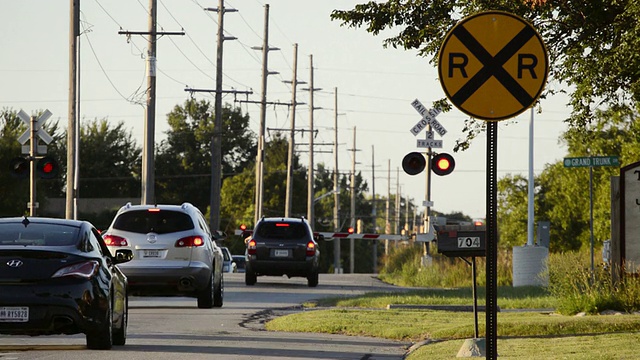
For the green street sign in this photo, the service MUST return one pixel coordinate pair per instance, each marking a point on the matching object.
(588, 161)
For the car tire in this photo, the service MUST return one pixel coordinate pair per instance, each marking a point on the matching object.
(120, 335)
(312, 279)
(102, 338)
(250, 277)
(205, 296)
(218, 293)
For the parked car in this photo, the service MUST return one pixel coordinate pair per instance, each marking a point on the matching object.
(241, 262)
(228, 266)
(282, 246)
(57, 276)
(174, 252)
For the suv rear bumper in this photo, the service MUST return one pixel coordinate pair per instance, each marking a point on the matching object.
(279, 268)
(168, 280)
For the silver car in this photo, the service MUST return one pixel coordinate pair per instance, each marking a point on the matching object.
(229, 266)
(174, 253)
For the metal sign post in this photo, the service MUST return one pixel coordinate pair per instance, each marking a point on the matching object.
(591, 161)
(492, 66)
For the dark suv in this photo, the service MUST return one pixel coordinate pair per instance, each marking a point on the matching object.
(282, 246)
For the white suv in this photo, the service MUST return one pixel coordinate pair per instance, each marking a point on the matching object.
(174, 252)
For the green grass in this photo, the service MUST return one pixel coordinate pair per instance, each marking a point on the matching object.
(528, 297)
(572, 288)
(417, 325)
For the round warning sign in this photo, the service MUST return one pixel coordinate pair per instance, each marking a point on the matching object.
(493, 65)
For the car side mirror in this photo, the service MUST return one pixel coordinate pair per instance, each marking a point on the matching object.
(123, 256)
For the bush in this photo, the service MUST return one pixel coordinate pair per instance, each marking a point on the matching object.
(577, 289)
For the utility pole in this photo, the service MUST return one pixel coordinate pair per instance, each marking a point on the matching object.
(337, 267)
(373, 210)
(74, 32)
(263, 114)
(397, 209)
(353, 203)
(216, 138)
(148, 163)
(387, 223)
(294, 85)
(310, 177)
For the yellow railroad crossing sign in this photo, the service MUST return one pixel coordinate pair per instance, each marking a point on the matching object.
(493, 65)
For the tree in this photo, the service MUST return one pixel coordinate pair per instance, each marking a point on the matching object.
(238, 191)
(110, 162)
(592, 45)
(562, 194)
(183, 160)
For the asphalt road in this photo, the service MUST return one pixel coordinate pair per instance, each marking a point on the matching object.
(171, 328)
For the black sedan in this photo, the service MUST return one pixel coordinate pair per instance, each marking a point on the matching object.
(58, 277)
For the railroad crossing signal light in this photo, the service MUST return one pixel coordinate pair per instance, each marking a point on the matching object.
(442, 164)
(350, 230)
(47, 168)
(19, 167)
(413, 163)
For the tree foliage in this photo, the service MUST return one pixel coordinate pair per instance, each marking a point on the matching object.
(562, 195)
(592, 45)
(183, 160)
(117, 173)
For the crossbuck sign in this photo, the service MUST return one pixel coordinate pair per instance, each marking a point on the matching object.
(40, 132)
(428, 118)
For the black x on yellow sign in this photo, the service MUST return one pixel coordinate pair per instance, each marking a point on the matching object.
(493, 65)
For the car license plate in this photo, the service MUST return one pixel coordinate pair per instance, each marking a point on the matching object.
(151, 253)
(14, 314)
(281, 253)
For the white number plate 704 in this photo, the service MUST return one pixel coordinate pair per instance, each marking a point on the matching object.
(468, 242)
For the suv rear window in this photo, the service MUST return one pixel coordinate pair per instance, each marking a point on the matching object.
(282, 230)
(159, 222)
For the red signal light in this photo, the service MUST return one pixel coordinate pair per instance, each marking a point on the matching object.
(47, 168)
(442, 164)
(350, 230)
(243, 227)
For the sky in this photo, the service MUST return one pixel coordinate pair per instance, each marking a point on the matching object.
(375, 85)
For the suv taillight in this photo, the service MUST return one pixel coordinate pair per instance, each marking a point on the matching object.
(311, 248)
(251, 247)
(113, 240)
(190, 241)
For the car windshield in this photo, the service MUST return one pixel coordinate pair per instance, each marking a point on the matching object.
(281, 230)
(159, 222)
(35, 234)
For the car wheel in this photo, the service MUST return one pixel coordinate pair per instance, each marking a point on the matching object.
(218, 293)
(312, 279)
(102, 338)
(120, 335)
(250, 277)
(205, 296)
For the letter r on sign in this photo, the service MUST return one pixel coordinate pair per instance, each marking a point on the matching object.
(458, 60)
